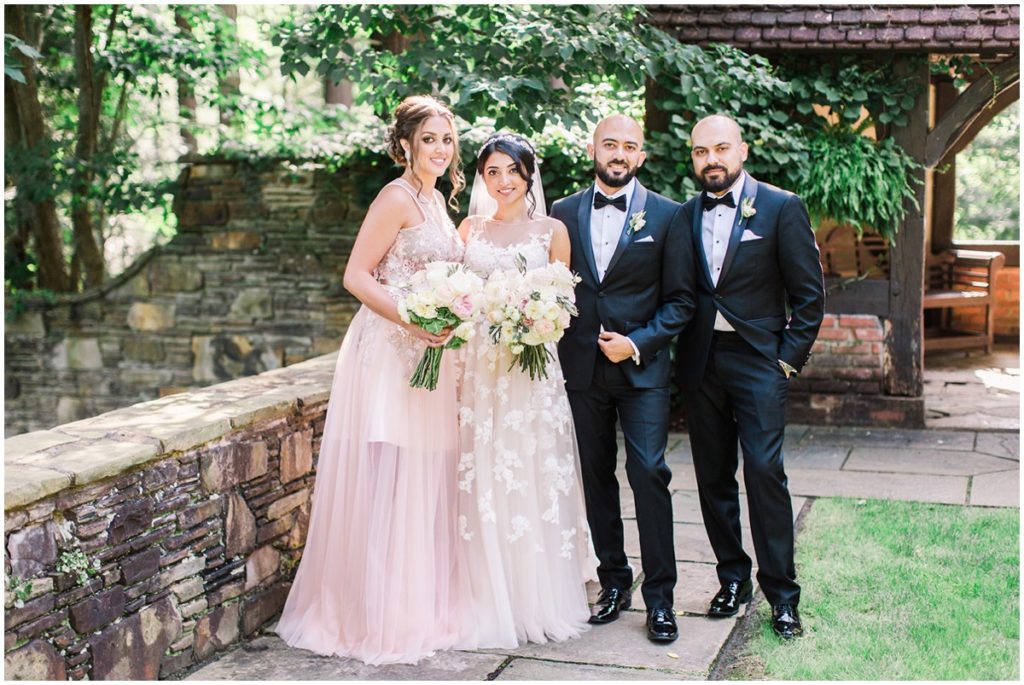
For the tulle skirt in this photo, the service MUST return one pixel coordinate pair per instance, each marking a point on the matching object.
(524, 543)
(378, 580)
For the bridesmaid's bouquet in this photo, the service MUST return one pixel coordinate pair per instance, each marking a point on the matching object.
(441, 295)
(526, 310)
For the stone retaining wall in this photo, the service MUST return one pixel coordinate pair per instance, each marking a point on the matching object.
(251, 282)
(188, 514)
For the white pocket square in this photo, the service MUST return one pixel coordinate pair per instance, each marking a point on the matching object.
(645, 239)
(750, 235)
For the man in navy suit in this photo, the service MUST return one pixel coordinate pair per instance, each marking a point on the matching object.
(760, 302)
(632, 250)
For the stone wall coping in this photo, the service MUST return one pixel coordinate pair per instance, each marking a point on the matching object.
(42, 463)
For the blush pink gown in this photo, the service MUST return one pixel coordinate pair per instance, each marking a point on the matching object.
(378, 580)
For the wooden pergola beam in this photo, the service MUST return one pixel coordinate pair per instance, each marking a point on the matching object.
(903, 347)
(1005, 98)
(952, 129)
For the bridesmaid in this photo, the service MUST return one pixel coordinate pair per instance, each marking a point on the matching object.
(378, 578)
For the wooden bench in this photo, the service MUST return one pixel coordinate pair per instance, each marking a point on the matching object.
(953, 279)
(961, 278)
(845, 255)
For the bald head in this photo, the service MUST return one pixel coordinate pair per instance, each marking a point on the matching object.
(718, 152)
(718, 126)
(619, 127)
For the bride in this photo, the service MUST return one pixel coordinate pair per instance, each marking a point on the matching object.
(523, 541)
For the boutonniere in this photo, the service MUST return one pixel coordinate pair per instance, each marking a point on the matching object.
(637, 222)
(747, 208)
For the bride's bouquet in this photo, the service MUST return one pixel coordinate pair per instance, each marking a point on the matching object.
(441, 295)
(526, 310)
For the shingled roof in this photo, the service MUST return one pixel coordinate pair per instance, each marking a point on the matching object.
(905, 28)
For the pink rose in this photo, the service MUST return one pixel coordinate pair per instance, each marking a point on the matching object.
(463, 307)
(544, 327)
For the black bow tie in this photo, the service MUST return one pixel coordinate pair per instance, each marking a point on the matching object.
(709, 202)
(618, 203)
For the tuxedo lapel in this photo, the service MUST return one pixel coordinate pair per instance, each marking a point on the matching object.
(739, 223)
(583, 223)
(698, 238)
(636, 205)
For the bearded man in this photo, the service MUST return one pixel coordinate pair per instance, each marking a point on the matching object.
(632, 250)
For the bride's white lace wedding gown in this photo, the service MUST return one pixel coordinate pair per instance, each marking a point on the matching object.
(523, 540)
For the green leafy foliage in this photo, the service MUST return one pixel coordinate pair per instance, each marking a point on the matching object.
(142, 55)
(548, 72)
(699, 83)
(77, 563)
(988, 182)
(804, 123)
(20, 590)
(519, 65)
(866, 183)
(12, 45)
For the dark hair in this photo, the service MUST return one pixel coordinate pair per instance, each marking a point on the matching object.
(521, 152)
(409, 116)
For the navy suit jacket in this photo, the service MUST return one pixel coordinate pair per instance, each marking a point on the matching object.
(647, 292)
(771, 290)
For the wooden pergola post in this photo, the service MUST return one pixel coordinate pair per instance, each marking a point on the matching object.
(904, 338)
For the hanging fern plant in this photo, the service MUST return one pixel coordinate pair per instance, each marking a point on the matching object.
(859, 181)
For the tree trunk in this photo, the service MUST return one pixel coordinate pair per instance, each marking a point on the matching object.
(230, 82)
(90, 94)
(42, 214)
(16, 245)
(186, 97)
(337, 93)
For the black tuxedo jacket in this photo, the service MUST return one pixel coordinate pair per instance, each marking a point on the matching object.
(771, 289)
(647, 292)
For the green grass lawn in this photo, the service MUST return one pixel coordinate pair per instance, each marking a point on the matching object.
(900, 591)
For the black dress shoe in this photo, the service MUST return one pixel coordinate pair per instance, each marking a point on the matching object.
(609, 603)
(727, 601)
(661, 625)
(786, 621)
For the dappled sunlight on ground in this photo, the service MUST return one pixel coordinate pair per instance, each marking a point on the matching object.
(973, 391)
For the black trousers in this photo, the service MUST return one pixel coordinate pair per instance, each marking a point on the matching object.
(644, 416)
(742, 397)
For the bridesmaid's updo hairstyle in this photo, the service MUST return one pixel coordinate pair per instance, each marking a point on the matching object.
(409, 117)
(521, 152)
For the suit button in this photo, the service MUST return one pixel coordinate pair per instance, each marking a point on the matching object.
(600, 293)
(718, 297)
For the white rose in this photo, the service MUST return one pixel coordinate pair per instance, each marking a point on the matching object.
(461, 283)
(533, 337)
(465, 330)
(534, 309)
(425, 311)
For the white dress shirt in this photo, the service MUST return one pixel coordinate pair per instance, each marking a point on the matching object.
(606, 227)
(716, 227)
(605, 230)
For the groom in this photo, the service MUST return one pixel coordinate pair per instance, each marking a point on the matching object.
(628, 245)
(760, 302)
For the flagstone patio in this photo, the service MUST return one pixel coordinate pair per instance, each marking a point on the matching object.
(959, 467)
